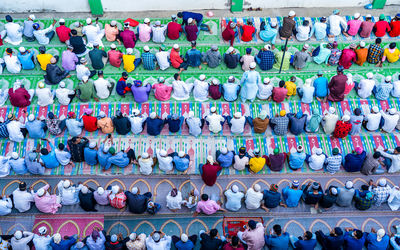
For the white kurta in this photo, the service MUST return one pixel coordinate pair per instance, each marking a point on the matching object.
(181, 90)
(45, 97)
(249, 82)
(200, 90)
(214, 121)
(174, 202)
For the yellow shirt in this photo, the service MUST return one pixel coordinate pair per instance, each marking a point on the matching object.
(291, 88)
(129, 60)
(43, 60)
(392, 57)
(257, 164)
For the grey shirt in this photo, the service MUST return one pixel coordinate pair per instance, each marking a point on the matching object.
(212, 58)
(370, 164)
(345, 196)
(356, 122)
(300, 59)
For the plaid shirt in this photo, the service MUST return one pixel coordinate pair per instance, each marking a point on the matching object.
(334, 162)
(280, 125)
(267, 59)
(375, 53)
(148, 60)
(381, 194)
(119, 200)
(3, 129)
(362, 203)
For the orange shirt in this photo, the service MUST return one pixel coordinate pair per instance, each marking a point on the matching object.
(361, 54)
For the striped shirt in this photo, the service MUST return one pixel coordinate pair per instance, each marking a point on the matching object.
(149, 60)
(119, 200)
(334, 162)
(3, 129)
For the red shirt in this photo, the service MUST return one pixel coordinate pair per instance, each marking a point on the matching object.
(173, 30)
(19, 98)
(209, 174)
(175, 58)
(342, 129)
(229, 34)
(114, 57)
(248, 32)
(119, 200)
(279, 94)
(228, 246)
(348, 56)
(366, 29)
(395, 26)
(63, 33)
(128, 38)
(381, 27)
(90, 123)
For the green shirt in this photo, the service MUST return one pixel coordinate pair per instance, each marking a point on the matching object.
(286, 60)
(96, 56)
(87, 91)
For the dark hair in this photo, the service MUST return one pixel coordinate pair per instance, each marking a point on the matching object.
(44, 151)
(397, 149)
(306, 23)
(368, 18)
(357, 111)
(179, 14)
(378, 40)
(293, 78)
(74, 32)
(392, 45)
(9, 50)
(281, 83)
(277, 229)
(358, 234)
(308, 235)
(176, 75)
(364, 187)
(213, 233)
(204, 197)
(61, 23)
(338, 231)
(100, 73)
(235, 241)
(124, 74)
(252, 224)
(376, 155)
(397, 239)
(42, 49)
(61, 146)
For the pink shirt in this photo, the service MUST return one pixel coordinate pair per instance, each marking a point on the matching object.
(144, 32)
(208, 207)
(111, 32)
(47, 203)
(354, 26)
(254, 238)
(366, 29)
(162, 92)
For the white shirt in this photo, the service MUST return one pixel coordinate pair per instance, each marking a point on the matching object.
(163, 244)
(22, 244)
(164, 163)
(395, 167)
(137, 123)
(395, 91)
(42, 242)
(4, 166)
(365, 88)
(329, 122)
(62, 95)
(93, 33)
(14, 131)
(253, 199)
(101, 85)
(335, 21)
(40, 35)
(146, 165)
(159, 33)
(214, 121)
(69, 196)
(174, 202)
(82, 70)
(1, 67)
(373, 121)
(5, 206)
(264, 91)
(316, 162)
(22, 200)
(63, 157)
(14, 33)
(45, 97)
(233, 200)
(394, 199)
(303, 33)
(12, 64)
(237, 126)
(390, 122)
(162, 59)
(240, 163)
(181, 90)
(200, 90)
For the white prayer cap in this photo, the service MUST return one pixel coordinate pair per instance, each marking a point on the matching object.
(92, 144)
(153, 115)
(145, 155)
(392, 111)
(257, 187)
(157, 23)
(253, 65)
(62, 20)
(129, 51)
(181, 154)
(362, 44)
(32, 16)
(375, 109)
(267, 80)
(40, 192)
(332, 110)
(66, 184)
(146, 20)
(388, 78)
(85, 78)
(190, 20)
(102, 114)
(224, 150)
(105, 149)
(231, 78)
(306, 46)
(370, 75)
(161, 79)
(14, 155)
(88, 20)
(349, 75)
(349, 184)
(18, 235)
(41, 85)
(42, 230)
(346, 118)
(113, 23)
(214, 81)
(202, 77)
(146, 48)
(184, 238)
(136, 112)
(213, 109)
(115, 189)
(235, 188)
(357, 15)
(334, 191)
(380, 234)
(113, 46)
(318, 151)
(230, 50)
(57, 238)
(163, 153)
(382, 182)
(273, 23)
(134, 190)
(100, 190)
(368, 16)
(308, 81)
(31, 117)
(132, 236)
(84, 190)
(62, 84)
(22, 49)
(267, 46)
(210, 159)
(176, 46)
(292, 13)
(237, 115)
(191, 114)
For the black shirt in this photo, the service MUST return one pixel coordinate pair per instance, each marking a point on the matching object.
(208, 243)
(76, 150)
(78, 44)
(137, 203)
(122, 125)
(231, 60)
(87, 201)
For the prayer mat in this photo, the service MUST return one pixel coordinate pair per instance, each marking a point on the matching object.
(232, 225)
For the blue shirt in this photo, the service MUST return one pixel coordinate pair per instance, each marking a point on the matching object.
(149, 61)
(321, 87)
(3, 129)
(275, 242)
(33, 167)
(194, 124)
(383, 91)
(193, 57)
(354, 162)
(102, 157)
(308, 94)
(90, 156)
(305, 244)
(296, 160)
(35, 129)
(267, 59)
(271, 199)
(74, 126)
(18, 165)
(230, 91)
(120, 160)
(64, 244)
(292, 196)
(225, 160)
(50, 160)
(319, 30)
(351, 243)
(188, 245)
(373, 244)
(268, 34)
(297, 125)
(181, 164)
(28, 28)
(154, 126)
(196, 16)
(26, 60)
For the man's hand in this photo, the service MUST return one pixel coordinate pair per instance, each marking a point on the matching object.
(54, 21)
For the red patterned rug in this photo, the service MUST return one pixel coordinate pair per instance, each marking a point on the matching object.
(232, 225)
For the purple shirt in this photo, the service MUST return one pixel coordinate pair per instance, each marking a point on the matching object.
(69, 60)
(102, 199)
(128, 38)
(191, 32)
(141, 94)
